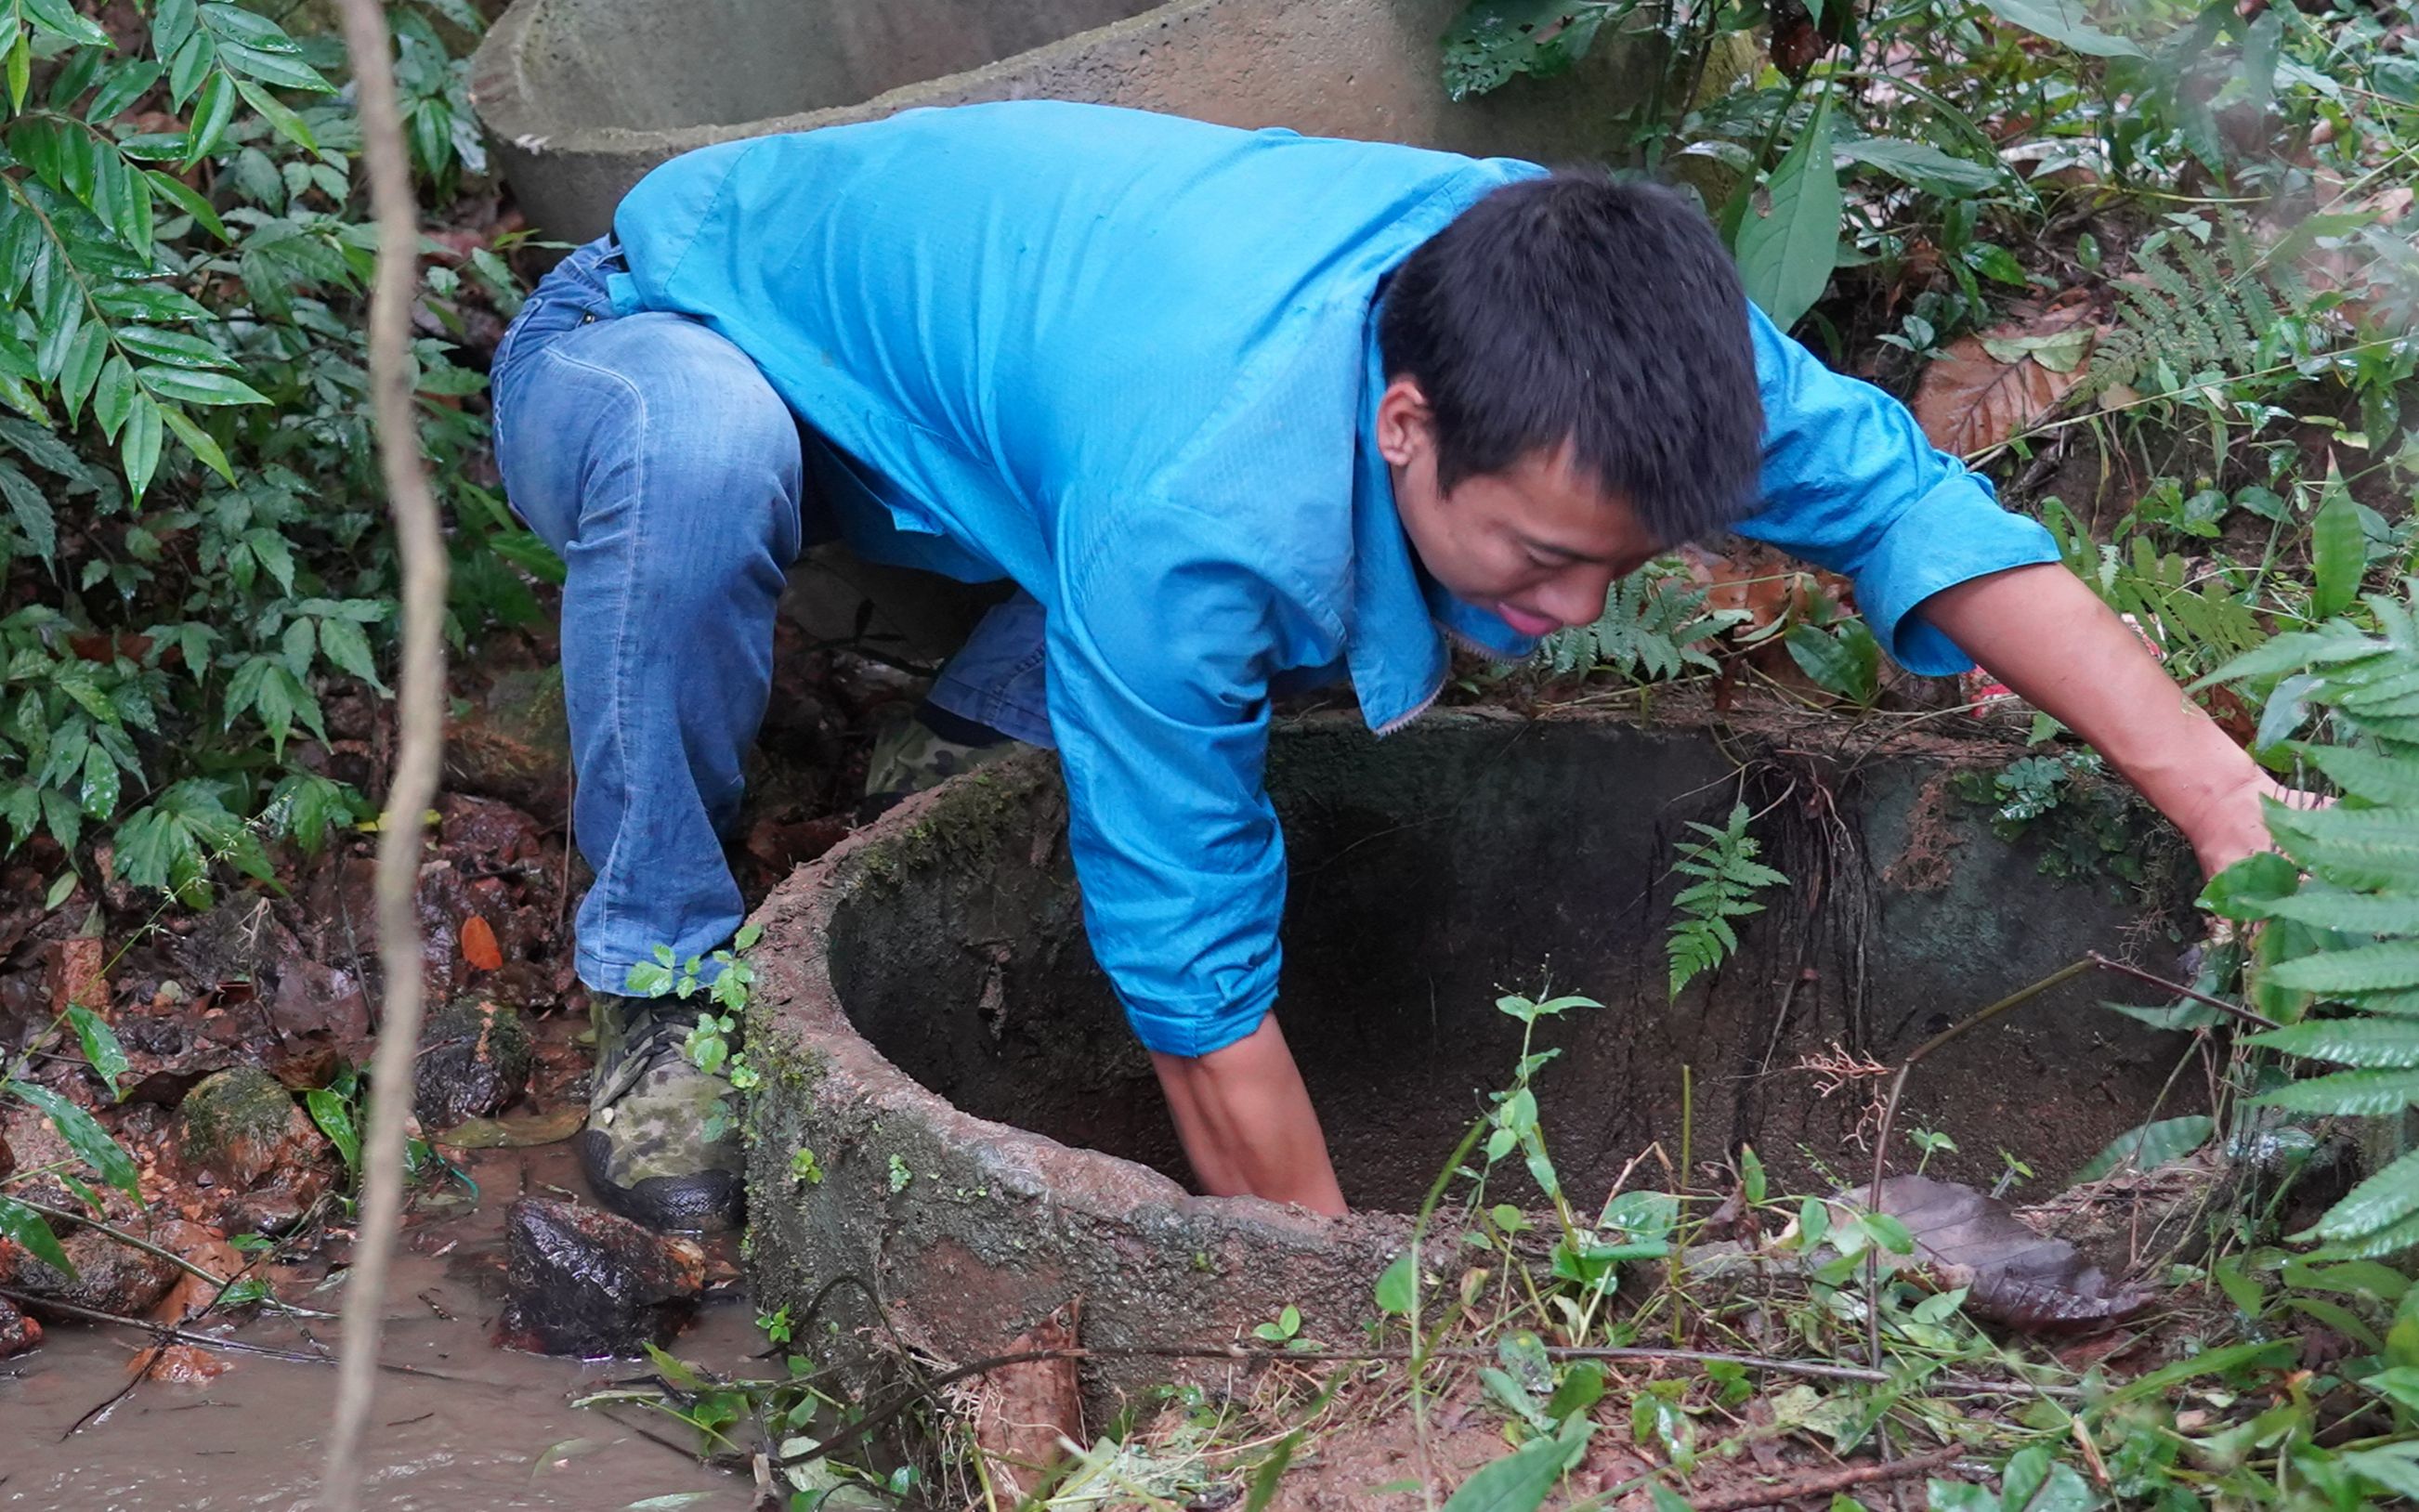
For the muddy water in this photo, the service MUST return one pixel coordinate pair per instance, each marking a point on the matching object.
(495, 1434)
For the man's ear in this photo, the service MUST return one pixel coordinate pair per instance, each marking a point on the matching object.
(1406, 425)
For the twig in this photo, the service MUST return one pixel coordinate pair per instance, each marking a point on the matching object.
(1825, 1482)
(2237, 1010)
(173, 1259)
(420, 716)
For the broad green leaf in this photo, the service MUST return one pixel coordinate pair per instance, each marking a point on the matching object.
(31, 510)
(2390, 1045)
(2034, 1483)
(59, 18)
(2250, 888)
(102, 1050)
(2066, 21)
(96, 794)
(2291, 653)
(172, 349)
(1519, 1482)
(1846, 661)
(2346, 1093)
(212, 112)
(2387, 1198)
(184, 198)
(84, 1135)
(2271, 1354)
(199, 388)
(2362, 969)
(280, 68)
(272, 110)
(198, 441)
(1398, 1286)
(2338, 551)
(21, 69)
(2389, 913)
(334, 1116)
(1926, 166)
(1785, 257)
(82, 368)
(25, 1228)
(2396, 1467)
(139, 447)
(2151, 1146)
(112, 396)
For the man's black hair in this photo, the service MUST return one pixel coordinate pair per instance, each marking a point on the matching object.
(1607, 316)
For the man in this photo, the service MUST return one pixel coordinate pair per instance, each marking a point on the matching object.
(1237, 412)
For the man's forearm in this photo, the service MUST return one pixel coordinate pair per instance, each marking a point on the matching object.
(2042, 632)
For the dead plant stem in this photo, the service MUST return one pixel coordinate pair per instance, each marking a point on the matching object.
(2236, 1009)
(1825, 1483)
(420, 716)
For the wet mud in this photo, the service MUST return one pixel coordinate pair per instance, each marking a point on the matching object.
(467, 1427)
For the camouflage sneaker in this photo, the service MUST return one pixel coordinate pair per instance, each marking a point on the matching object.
(647, 1150)
(910, 756)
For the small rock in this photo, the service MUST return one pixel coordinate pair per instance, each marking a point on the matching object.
(109, 1278)
(264, 1158)
(582, 1281)
(474, 1057)
(18, 1333)
(514, 744)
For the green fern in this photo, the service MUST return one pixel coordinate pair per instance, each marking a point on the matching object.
(1728, 877)
(2188, 319)
(2339, 962)
(1651, 628)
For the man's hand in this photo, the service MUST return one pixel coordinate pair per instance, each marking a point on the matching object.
(1247, 1123)
(2048, 637)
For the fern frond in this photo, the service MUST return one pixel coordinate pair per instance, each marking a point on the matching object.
(1702, 936)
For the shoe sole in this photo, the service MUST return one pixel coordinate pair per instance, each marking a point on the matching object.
(709, 1202)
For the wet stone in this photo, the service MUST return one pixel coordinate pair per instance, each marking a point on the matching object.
(250, 1145)
(474, 1057)
(110, 1277)
(582, 1281)
(18, 1333)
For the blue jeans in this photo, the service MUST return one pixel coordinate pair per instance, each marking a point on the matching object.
(660, 464)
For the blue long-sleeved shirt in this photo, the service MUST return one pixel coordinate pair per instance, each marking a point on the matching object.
(1129, 361)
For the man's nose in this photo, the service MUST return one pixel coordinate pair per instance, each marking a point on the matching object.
(1577, 596)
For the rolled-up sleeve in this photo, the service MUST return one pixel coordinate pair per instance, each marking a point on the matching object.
(1851, 484)
(1157, 688)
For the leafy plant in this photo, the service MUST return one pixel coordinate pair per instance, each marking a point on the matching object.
(1728, 877)
(708, 1043)
(2186, 320)
(1653, 627)
(2336, 962)
(187, 499)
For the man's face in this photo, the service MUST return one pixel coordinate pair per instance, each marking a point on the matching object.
(1538, 544)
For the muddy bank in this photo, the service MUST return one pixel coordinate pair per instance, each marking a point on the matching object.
(482, 1427)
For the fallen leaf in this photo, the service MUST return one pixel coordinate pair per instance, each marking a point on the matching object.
(2013, 1274)
(81, 976)
(1986, 388)
(479, 946)
(514, 1133)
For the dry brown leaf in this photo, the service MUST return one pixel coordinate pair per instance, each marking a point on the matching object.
(1969, 400)
(1027, 1408)
(81, 978)
(479, 946)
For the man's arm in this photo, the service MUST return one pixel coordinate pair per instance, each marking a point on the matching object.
(1159, 646)
(2046, 634)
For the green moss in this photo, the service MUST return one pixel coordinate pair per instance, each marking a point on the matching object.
(242, 1107)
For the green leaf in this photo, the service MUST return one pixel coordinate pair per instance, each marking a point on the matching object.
(2034, 1483)
(2338, 551)
(2389, 1198)
(2151, 1146)
(2396, 1467)
(31, 511)
(1926, 167)
(2388, 1043)
(334, 1116)
(1264, 1480)
(212, 112)
(21, 69)
(2362, 969)
(1846, 661)
(23, 1225)
(102, 1050)
(2273, 1354)
(1785, 257)
(280, 68)
(2348, 1093)
(1494, 40)
(199, 388)
(1519, 1482)
(96, 794)
(172, 349)
(2064, 22)
(1398, 1286)
(139, 447)
(185, 198)
(112, 396)
(60, 19)
(2250, 887)
(198, 441)
(272, 110)
(84, 1135)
